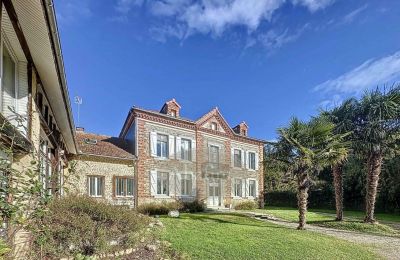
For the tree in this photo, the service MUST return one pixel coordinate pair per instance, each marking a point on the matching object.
(303, 149)
(343, 118)
(377, 137)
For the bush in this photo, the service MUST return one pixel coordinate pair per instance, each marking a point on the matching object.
(82, 225)
(246, 205)
(4, 249)
(159, 208)
(193, 207)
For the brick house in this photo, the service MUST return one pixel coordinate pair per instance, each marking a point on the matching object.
(105, 168)
(185, 159)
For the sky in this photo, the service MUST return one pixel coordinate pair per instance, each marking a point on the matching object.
(258, 61)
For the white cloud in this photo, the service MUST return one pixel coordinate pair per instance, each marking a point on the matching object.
(274, 40)
(69, 11)
(371, 73)
(314, 5)
(124, 6)
(348, 18)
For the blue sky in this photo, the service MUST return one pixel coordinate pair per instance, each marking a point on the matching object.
(261, 61)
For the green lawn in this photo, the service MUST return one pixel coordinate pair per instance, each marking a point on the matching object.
(353, 220)
(228, 236)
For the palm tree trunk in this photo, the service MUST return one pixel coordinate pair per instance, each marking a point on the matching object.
(337, 171)
(374, 166)
(302, 198)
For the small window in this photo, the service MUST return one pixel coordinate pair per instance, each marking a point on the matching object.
(214, 154)
(237, 192)
(163, 183)
(237, 158)
(252, 160)
(96, 186)
(90, 141)
(123, 187)
(186, 184)
(214, 126)
(173, 113)
(252, 188)
(162, 146)
(186, 149)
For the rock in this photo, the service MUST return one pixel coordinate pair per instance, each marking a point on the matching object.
(159, 223)
(151, 247)
(173, 214)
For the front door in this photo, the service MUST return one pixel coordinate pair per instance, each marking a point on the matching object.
(214, 192)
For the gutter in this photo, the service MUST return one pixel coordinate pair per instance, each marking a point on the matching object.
(50, 16)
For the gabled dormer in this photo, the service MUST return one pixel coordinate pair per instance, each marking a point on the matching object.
(214, 121)
(171, 108)
(241, 129)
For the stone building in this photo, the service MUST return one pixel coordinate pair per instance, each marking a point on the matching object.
(105, 168)
(185, 159)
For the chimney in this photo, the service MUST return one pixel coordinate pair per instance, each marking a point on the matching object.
(241, 129)
(80, 129)
(171, 108)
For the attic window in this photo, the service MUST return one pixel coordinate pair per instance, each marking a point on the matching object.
(90, 141)
(213, 126)
(173, 113)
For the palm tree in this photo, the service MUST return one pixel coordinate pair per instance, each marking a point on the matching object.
(377, 136)
(304, 149)
(343, 117)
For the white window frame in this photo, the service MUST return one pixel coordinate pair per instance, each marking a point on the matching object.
(125, 183)
(236, 193)
(248, 161)
(4, 43)
(185, 177)
(214, 126)
(240, 158)
(96, 192)
(162, 156)
(255, 188)
(189, 149)
(162, 180)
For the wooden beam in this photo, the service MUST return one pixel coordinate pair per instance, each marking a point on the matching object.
(17, 28)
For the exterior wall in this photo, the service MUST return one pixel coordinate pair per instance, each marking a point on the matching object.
(107, 168)
(198, 166)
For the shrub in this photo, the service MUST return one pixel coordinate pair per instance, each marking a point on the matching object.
(82, 225)
(4, 249)
(193, 207)
(159, 208)
(246, 205)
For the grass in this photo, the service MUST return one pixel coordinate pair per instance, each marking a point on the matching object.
(229, 236)
(325, 218)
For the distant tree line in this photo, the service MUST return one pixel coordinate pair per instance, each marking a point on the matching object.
(346, 157)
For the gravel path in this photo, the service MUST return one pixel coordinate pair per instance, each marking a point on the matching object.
(387, 247)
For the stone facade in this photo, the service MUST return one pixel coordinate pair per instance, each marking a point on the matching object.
(142, 129)
(108, 169)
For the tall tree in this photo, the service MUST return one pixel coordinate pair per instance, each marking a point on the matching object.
(377, 137)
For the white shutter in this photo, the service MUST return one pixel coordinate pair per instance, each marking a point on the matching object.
(194, 191)
(171, 183)
(178, 179)
(193, 150)
(232, 157)
(153, 144)
(178, 148)
(257, 162)
(246, 160)
(243, 158)
(244, 188)
(153, 182)
(22, 95)
(171, 146)
(232, 187)
(257, 189)
(247, 187)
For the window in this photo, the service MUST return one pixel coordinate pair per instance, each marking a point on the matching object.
(9, 84)
(252, 160)
(162, 146)
(237, 188)
(123, 187)
(90, 141)
(252, 188)
(214, 126)
(96, 186)
(186, 184)
(45, 169)
(186, 149)
(237, 158)
(163, 183)
(173, 113)
(214, 154)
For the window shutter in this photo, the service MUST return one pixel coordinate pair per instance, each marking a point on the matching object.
(244, 188)
(194, 190)
(242, 158)
(153, 143)
(232, 157)
(171, 146)
(257, 195)
(171, 184)
(232, 187)
(193, 150)
(178, 148)
(257, 162)
(246, 160)
(178, 179)
(153, 182)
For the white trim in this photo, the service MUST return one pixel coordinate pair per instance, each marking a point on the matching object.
(150, 122)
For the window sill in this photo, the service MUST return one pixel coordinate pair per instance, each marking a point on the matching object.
(124, 197)
(161, 196)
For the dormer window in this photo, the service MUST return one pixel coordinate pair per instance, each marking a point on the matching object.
(90, 141)
(173, 113)
(214, 126)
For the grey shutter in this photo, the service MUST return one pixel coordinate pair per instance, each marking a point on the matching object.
(244, 188)
(194, 191)
(256, 189)
(178, 148)
(246, 160)
(178, 179)
(242, 158)
(153, 182)
(153, 144)
(257, 161)
(171, 183)
(171, 146)
(193, 150)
